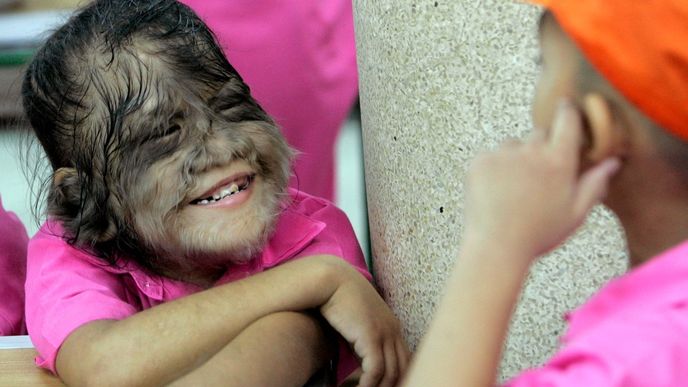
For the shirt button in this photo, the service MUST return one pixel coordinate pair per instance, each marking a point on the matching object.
(147, 284)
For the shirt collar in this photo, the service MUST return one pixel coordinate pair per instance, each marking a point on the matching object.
(293, 232)
(149, 284)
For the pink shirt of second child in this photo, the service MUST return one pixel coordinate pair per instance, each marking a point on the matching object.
(633, 332)
(13, 242)
(66, 287)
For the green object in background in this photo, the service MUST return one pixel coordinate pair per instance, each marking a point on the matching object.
(15, 57)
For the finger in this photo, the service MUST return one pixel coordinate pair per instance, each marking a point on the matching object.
(404, 357)
(373, 365)
(391, 366)
(567, 132)
(592, 186)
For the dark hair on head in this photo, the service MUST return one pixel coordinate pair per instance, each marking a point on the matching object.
(78, 119)
(52, 83)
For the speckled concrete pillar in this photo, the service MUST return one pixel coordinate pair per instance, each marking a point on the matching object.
(440, 81)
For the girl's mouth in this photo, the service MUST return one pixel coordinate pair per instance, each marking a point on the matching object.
(226, 190)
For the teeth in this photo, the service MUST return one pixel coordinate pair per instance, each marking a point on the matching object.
(234, 188)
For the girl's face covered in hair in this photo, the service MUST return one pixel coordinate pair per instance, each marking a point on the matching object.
(198, 170)
(200, 184)
(160, 154)
(213, 190)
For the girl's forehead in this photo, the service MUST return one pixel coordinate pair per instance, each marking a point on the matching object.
(149, 91)
(164, 93)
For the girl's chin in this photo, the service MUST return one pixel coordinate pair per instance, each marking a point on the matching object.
(218, 236)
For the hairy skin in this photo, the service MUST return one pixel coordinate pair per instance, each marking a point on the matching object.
(140, 120)
(297, 333)
(147, 114)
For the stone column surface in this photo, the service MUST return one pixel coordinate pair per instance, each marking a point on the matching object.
(439, 82)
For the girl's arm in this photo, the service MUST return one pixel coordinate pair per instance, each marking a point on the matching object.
(521, 201)
(278, 349)
(161, 344)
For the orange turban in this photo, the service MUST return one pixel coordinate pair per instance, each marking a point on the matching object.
(640, 47)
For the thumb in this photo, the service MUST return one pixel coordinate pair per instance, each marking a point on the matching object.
(592, 186)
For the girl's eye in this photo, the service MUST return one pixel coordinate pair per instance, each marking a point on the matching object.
(171, 130)
(163, 135)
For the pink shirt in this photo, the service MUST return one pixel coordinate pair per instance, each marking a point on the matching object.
(13, 241)
(633, 332)
(299, 58)
(66, 288)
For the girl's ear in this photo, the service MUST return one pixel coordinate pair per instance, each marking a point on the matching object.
(82, 206)
(605, 136)
(65, 192)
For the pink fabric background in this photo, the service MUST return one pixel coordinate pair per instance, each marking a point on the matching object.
(13, 242)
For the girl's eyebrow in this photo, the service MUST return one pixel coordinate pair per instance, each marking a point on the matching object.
(177, 115)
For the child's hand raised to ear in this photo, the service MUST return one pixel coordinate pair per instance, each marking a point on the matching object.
(521, 201)
(531, 195)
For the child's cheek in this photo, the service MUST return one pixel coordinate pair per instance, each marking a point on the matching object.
(154, 199)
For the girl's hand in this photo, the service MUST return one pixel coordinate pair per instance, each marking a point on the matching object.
(531, 195)
(359, 314)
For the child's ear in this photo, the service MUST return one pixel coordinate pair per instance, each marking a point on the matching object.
(605, 136)
(88, 215)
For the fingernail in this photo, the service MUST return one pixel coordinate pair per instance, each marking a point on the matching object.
(613, 165)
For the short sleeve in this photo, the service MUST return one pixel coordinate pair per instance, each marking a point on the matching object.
(644, 349)
(13, 242)
(65, 290)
